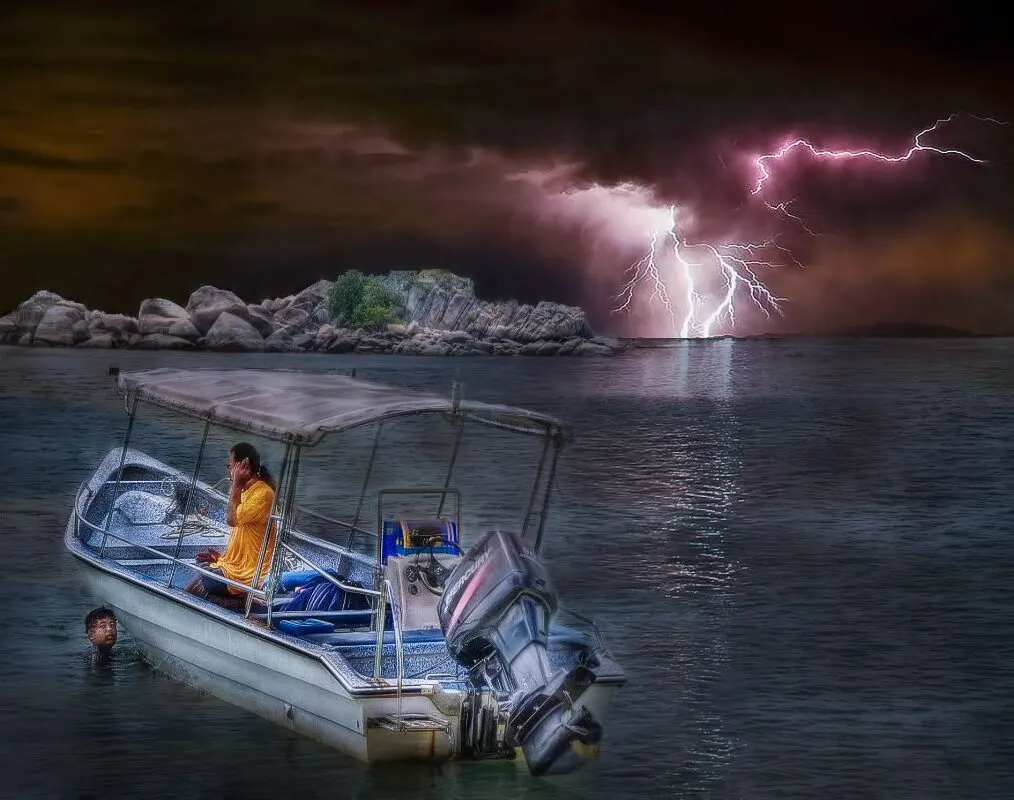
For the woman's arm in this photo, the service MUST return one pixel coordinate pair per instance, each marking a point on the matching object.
(230, 511)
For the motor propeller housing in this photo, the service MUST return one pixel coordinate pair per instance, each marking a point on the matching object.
(495, 613)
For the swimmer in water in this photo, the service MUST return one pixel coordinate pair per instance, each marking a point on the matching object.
(100, 626)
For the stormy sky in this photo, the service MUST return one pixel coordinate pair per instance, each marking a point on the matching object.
(146, 149)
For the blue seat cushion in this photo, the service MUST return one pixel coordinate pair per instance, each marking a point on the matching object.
(302, 627)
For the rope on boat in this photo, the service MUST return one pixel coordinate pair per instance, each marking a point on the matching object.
(197, 525)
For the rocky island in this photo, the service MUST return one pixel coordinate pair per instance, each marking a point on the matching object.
(430, 312)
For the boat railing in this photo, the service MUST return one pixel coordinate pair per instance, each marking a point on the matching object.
(170, 485)
(380, 596)
(379, 610)
(258, 593)
(399, 653)
(327, 576)
(353, 529)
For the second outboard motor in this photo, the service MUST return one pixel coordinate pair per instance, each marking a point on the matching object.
(495, 613)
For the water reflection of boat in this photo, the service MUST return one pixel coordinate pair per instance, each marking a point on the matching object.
(417, 651)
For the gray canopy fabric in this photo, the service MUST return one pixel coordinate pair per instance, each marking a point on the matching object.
(304, 406)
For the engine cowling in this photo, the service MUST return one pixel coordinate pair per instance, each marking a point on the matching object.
(495, 613)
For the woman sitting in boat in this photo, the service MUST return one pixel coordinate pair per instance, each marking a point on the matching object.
(250, 503)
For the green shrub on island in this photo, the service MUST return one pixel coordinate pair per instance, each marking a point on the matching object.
(359, 301)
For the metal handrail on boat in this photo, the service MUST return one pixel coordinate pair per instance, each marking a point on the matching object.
(343, 586)
(170, 559)
(162, 556)
(352, 528)
(259, 593)
(378, 653)
(399, 653)
(379, 610)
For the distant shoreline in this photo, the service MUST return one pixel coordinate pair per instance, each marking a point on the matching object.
(883, 331)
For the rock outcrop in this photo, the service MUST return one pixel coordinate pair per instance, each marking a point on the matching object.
(444, 301)
(439, 311)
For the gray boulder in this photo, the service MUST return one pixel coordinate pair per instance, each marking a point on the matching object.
(119, 340)
(9, 328)
(293, 318)
(101, 322)
(281, 341)
(208, 303)
(232, 333)
(31, 311)
(540, 348)
(312, 296)
(63, 325)
(435, 348)
(118, 329)
(303, 341)
(323, 336)
(568, 346)
(276, 304)
(589, 349)
(506, 347)
(261, 319)
(341, 343)
(100, 340)
(163, 341)
(160, 316)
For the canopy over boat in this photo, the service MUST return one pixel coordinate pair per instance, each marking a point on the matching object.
(303, 407)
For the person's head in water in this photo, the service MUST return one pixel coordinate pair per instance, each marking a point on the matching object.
(100, 625)
(245, 464)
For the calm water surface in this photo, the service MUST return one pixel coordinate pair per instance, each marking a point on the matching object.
(802, 552)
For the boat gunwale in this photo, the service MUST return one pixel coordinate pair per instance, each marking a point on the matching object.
(310, 649)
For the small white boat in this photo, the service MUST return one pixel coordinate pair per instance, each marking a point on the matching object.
(359, 663)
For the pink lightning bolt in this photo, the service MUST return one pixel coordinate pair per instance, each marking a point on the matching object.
(917, 146)
(735, 264)
(736, 272)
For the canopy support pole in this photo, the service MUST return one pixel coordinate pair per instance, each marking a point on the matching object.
(287, 492)
(190, 500)
(131, 406)
(369, 471)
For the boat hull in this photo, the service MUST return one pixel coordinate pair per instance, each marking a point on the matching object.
(290, 688)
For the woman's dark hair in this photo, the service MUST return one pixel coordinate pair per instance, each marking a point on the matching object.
(245, 450)
(97, 614)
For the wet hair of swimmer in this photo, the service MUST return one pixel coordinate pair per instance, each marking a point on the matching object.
(245, 451)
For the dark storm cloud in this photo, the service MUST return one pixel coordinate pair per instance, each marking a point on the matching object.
(240, 133)
(10, 157)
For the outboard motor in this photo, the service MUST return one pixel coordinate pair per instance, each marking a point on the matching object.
(495, 613)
